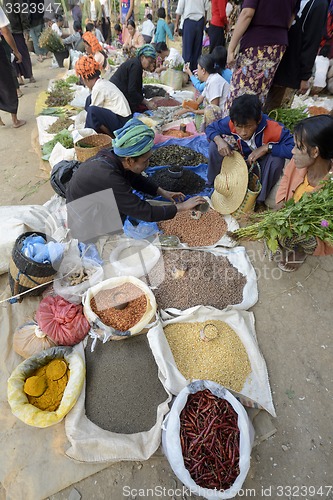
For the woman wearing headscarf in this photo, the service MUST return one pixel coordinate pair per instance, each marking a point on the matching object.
(128, 78)
(94, 48)
(106, 106)
(119, 169)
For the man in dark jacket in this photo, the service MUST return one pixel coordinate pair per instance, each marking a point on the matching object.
(295, 69)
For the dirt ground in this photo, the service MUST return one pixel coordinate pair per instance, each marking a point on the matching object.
(294, 330)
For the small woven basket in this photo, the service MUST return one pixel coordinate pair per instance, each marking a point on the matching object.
(94, 142)
(26, 274)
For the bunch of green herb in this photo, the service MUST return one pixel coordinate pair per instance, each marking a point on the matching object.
(61, 124)
(312, 215)
(149, 79)
(61, 94)
(73, 80)
(65, 139)
(57, 111)
(50, 41)
(289, 117)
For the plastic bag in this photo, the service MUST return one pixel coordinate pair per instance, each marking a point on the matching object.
(61, 174)
(140, 231)
(62, 321)
(172, 447)
(173, 78)
(29, 339)
(18, 401)
(74, 268)
(137, 263)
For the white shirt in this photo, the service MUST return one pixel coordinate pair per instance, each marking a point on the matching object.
(106, 95)
(192, 9)
(93, 14)
(3, 19)
(148, 28)
(216, 86)
(56, 28)
(251, 143)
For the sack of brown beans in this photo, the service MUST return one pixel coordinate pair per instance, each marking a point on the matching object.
(207, 438)
(118, 308)
(209, 344)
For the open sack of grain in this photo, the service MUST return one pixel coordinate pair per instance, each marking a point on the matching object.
(215, 345)
(120, 412)
(20, 390)
(118, 308)
(184, 279)
(207, 419)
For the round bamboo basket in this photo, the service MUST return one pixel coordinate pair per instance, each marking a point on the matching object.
(93, 143)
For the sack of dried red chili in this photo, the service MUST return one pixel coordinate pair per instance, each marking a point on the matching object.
(207, 439)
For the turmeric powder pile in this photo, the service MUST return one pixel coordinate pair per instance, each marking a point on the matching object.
(46, 386)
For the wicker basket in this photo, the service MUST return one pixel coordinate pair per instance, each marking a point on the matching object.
(95, 143)
(26, 274)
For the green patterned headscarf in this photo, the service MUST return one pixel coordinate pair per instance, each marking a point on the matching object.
(147, 51)
(133, 139)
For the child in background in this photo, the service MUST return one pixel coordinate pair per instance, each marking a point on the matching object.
(148, 29)
(162, 29)
(119, 35)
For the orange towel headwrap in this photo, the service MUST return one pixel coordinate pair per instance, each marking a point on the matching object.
(92, 41)
(86, 66)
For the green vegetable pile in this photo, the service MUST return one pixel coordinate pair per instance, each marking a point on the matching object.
(61, 94)
(289, 117)
(149, 79)
(312, 215)
(65, 139)
(72, 79)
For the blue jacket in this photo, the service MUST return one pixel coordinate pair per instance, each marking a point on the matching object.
(268, 131)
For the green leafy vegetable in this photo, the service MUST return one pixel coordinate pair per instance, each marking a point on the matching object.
(312, 215)
(65, 139)
(289, 117)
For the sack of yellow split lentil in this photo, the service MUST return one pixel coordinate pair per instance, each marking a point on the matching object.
(210, 344)
(18, 399)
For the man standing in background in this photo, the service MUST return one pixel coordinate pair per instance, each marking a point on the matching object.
(194, 14)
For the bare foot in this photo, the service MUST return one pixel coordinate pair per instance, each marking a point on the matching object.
(32, 80)
(19, 93)
(2, 123)
(19, 123)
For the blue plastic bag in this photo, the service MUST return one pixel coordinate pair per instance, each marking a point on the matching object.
(141, 230)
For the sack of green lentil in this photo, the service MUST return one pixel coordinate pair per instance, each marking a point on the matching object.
(118, 308)
(205, 418)
(213, 345)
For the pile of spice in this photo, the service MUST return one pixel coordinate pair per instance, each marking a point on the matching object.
(177, 133)
(223, 359)
(46, 386)
(123, 390)
(188, 183)
(204, 231)
(177, 156)
(150, 91)
(121, 307)
(188, 278)
(61, 124)
(210, 440)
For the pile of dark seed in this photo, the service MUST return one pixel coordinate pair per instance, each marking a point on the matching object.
(153, 91)
(187, 278)
(188, 183)
(177, 156)
(123, 390)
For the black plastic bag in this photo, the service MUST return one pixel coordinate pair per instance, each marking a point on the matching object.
(61, 174)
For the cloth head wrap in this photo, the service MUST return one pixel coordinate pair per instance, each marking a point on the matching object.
(92, 41)
(86, 66)
(133, 139)
(147, 51)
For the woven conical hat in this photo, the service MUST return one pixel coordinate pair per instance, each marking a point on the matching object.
(230, 184)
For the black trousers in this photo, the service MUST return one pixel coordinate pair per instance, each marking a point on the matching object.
(216, 37)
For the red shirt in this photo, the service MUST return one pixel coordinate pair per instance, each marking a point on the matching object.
(219, 17)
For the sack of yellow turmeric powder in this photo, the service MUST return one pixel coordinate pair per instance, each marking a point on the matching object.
(17, 391)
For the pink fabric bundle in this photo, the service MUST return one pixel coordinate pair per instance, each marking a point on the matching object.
(62, 321)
